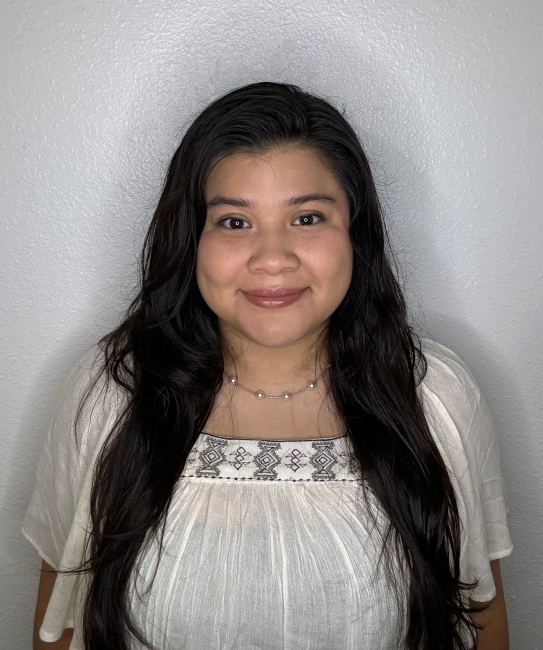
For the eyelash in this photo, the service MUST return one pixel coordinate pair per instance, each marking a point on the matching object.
(310, 214)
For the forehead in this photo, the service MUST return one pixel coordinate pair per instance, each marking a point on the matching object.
(282, 170)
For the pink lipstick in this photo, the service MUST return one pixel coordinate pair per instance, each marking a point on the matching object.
(278, 297)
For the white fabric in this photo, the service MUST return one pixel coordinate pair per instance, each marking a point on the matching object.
(266, 545)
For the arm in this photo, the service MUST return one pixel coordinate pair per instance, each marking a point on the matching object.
(47, 582)
(495, 634)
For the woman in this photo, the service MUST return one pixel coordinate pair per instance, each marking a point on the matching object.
(264, 454)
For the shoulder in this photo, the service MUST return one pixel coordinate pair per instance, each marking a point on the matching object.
(463, 429)
(89, 403)
(455, 408)
(89, 374)
(447, 374)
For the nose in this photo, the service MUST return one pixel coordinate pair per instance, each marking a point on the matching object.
(273, 251)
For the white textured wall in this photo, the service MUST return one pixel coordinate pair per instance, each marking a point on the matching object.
(447, 97)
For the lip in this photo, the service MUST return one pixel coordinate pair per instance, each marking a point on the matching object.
(281, 297)
(277, 291)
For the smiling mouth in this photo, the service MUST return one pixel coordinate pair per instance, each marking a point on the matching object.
(274, 291)
(274, 298)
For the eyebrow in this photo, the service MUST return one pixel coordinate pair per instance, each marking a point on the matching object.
(294, 200)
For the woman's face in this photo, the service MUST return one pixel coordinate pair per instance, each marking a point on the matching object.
(274, 221)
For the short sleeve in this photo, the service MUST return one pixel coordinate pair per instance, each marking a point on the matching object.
(463, 429)
(57, 518)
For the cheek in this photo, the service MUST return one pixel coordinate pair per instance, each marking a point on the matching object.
(217, 273)
(206, 266)
(332, 261)
(209, 259)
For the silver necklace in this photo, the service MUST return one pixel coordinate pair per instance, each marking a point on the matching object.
(259, 394)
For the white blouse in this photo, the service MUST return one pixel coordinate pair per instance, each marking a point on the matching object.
(266, 545)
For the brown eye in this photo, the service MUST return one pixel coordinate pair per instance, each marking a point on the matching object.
(236, 223)
(309, 219)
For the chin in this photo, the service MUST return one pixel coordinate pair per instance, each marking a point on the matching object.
(278, 336)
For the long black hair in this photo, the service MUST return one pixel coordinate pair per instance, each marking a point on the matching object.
(167, 357)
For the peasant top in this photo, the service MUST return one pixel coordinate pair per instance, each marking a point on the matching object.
(268, 544)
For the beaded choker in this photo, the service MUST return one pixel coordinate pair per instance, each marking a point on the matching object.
(259, 394)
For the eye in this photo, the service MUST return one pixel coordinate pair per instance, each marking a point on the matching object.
(236, 220)
(236, 223)
(308, 219)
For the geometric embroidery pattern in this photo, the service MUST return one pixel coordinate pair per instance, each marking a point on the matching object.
(239, 457)
(211, 457)
(267, 459)
(323, 459)
(296, 457)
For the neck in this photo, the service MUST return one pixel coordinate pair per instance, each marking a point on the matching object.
(273, 369)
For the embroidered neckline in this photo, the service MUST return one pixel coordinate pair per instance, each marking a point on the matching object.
(318, 459)
(214, 435)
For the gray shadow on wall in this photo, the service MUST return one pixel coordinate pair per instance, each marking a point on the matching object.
(413, 240)
(21, 562)
(494, 375)
(43, 399)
